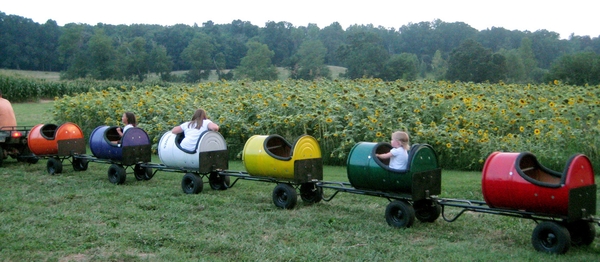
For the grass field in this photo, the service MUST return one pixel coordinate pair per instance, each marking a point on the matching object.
(81, 216)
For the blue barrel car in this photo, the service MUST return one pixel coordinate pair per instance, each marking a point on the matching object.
(131, 150)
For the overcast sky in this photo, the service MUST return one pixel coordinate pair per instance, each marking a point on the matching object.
(563, 17)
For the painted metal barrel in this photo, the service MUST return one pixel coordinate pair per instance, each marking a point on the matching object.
(273, 156)
(133, 147)
(518, 181)
(50, 139)
(210, 154)
(421, 178)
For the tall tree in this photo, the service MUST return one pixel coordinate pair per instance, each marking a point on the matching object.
(472, 62)
(278, 37)
(403, 66)
(576, 69)
(310, 61)
(364, 55)
(527, 57)
(176, 38)
(133, 59)
(199, 54)
(332, 37)
(102, 56)
(516, 71)
(257, 64)
(160, 63)
(439, 65)
(73, 51)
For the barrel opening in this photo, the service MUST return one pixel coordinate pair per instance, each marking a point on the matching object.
(48, 131)
(112, 136)
(278, 146)
(529, 167)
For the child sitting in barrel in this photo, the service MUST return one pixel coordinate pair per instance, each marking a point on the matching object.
(399, 154)
(194, 128)
(129, 121)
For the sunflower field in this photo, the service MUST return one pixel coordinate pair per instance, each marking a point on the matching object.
(464, 122)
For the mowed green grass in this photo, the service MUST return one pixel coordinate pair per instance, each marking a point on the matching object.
(81, 216)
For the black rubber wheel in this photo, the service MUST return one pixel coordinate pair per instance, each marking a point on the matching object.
(1, 156)
(582, 233)
(284, 196)
(80, 164)
(310, 193)
(550, 237)
(33, 160)
(218, 182)
(400, 214)
(142, 173)
(192, 184)
(116, 174)
(427, 210)
(54, 166)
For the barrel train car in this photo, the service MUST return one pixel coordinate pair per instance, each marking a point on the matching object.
(561, 203)
(58, 143)
(513, 184)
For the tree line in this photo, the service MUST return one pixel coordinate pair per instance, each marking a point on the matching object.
(434, 50)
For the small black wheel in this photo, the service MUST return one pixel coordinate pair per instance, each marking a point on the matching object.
(284, 196)
(54, 166)
(399, 214)
(33, 160)
(80, 164)
(582, 233)
(427, 210)
(116, 174)
(310, 193)
(192, 183)
(142, 173)
(550, 237)
(218, 182)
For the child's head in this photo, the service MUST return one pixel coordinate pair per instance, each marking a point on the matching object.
(198, 119)
(403, 138)
(129, 118)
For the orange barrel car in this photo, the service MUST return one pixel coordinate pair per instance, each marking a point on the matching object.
(58, 143)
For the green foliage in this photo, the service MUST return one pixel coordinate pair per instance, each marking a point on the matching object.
(133, 60)
(404, 66)
(257, 65)
(310, 61)
(471, 62)
(576, 69)
(26, 89)
(199, 55)
(464, 122)
(127, 52)
(103, 64)
(364, 55)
